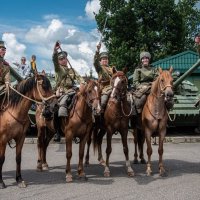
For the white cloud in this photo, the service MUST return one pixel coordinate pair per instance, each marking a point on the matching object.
(15, 50)
(40, 40)
(92, 7)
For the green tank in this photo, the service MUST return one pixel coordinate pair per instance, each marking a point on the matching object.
(186, 94)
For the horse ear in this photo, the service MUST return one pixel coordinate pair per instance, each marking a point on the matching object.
(86, 79)
(171, 69)
(125, 70)
(160, 70)
(43, 72)
(114, 70)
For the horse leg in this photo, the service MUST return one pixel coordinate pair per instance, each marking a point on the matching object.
(81, 173)
(108, 152)
(40, 145)
(2, 159)
(48, 136)
(87, 156)
(160, 152)
(68, 156)
(149, 151)
(100, 140)
(135, 135)
(19, 144)
(126, 152)
(141, 140)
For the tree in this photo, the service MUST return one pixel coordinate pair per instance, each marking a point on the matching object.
(159, 26)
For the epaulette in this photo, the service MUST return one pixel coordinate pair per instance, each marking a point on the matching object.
(6, 63)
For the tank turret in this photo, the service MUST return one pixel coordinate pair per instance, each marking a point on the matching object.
(187, 73)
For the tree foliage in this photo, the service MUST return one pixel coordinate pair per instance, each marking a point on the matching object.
(161, 27)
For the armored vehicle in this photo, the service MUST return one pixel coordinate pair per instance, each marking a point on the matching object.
(184, 112)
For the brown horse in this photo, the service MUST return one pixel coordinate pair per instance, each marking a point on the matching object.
(116, 118)
(14, 120)
(154, 115)
(79, 123)
(45, 132)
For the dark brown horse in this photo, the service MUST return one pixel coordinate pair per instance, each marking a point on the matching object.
(116, 118)
(79, 123)
(14, 120)
(154, 115)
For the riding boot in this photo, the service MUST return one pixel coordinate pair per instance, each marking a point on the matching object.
(62, 111)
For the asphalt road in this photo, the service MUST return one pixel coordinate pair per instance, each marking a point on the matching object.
(182, 162)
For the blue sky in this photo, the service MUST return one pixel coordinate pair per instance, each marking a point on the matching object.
(32, 27)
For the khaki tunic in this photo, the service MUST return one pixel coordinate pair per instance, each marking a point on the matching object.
(4, 77)
(104, 74)
(66, 78)
(144, 76)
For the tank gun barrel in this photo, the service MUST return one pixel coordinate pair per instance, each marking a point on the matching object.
(187, 73)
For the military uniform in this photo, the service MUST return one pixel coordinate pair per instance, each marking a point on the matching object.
(142, 78)
(104, 75)
(67, 81)
(4, 78)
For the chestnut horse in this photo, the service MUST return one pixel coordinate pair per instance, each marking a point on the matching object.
(116, 119)
(154, 115)
(14, 119)
(79, 123)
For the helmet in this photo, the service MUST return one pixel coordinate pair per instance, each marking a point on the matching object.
(62, 54)
(145, 54)
(103, 55)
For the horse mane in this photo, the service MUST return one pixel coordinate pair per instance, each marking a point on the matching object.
(26, 86)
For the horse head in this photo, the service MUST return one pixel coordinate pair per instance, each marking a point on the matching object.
(91, 92)
(44, 93)
(166, 84)
(119, 84)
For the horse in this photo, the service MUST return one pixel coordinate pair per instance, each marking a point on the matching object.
(116, 119)
(45, 132)
(79, 123)
(14, 119)
(155, 115)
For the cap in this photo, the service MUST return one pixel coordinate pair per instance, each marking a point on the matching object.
(2, 44)
(62, 54)
(145, 54)
(103, 55)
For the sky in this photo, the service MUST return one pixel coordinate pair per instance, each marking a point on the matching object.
(33, 27)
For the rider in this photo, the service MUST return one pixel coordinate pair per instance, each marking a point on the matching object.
(143, 76)
(33, 64)
(67, 81)
(4, 73)
(105, 73)
(24, 69)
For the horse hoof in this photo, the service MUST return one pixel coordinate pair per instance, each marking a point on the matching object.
(135, 161)
(163, 174)
(143, 161)
(69, 179)
(106, 174)
(45, 167)
(87, 164)
(2, 185)
(131, 174)
(39, 169)
(22, 184)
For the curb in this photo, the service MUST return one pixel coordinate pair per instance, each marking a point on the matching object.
(117, 138)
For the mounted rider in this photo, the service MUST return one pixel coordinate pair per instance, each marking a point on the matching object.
(4, 75)
(143, 77)
(105, 73)
(67, 79)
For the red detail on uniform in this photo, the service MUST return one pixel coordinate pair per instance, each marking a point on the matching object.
(5, 63)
